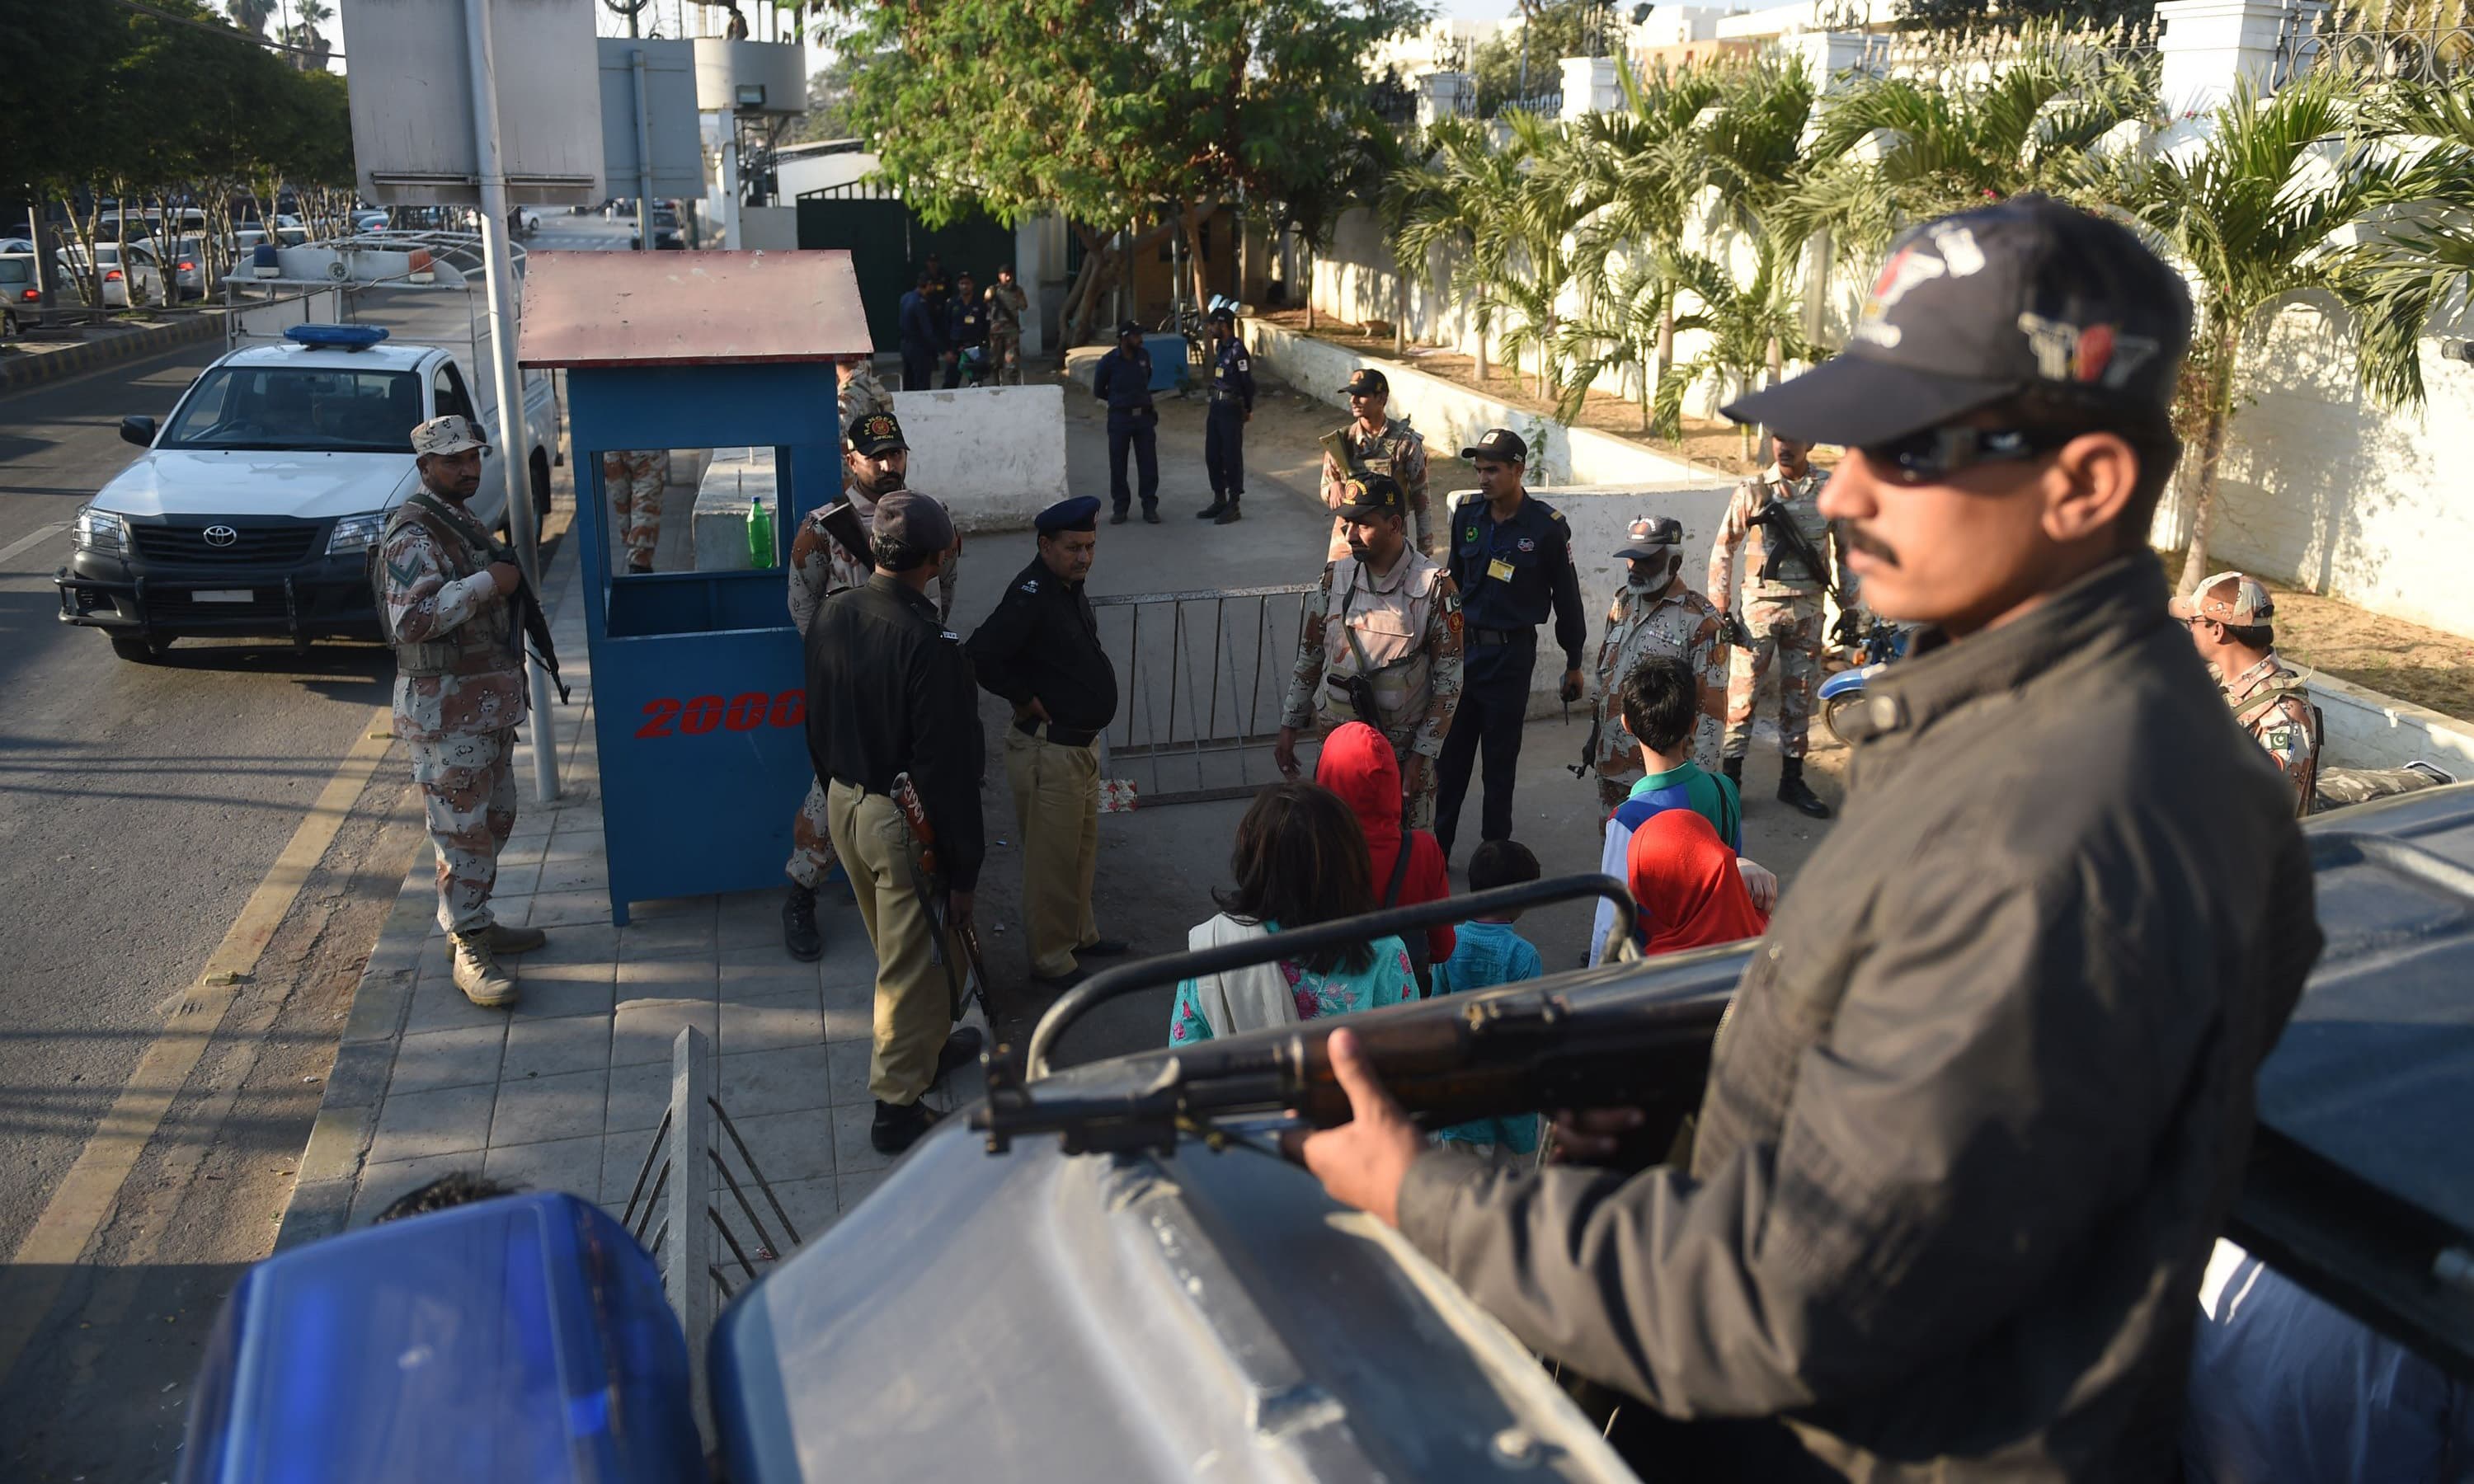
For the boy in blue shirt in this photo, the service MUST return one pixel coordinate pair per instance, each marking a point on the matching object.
(1488, 953)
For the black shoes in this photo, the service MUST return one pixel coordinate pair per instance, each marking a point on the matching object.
(1211, 511)
(899, 1125)
(1116, 517)
(1734, 769)
(962, 1049)
(1228, 517)
(1798, 795)
(1151, 514)
(801, 937)
(1105, 947)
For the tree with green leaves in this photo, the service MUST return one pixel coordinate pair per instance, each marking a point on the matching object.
(1547, 34)
(2289, 197)
(1149, 113)
(1457, 203)
(1752, 327)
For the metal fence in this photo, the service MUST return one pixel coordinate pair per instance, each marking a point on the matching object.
(673, 1211)
(1201, 681)
(2438, 48)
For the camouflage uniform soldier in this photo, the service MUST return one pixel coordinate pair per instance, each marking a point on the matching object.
(1383, 635)
(1655, 613)
(1781, 617)
(821, 567)
(1008, 303)
(1375, 442)
(636, 478)
(459, 693)
(861, 396)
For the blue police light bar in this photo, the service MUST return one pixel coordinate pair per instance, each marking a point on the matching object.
(336, 336)
(522, 1340)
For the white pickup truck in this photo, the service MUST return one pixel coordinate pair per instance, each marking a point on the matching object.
(253, 509)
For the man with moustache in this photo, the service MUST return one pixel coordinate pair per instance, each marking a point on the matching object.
(1985, 1091)
(444, 586)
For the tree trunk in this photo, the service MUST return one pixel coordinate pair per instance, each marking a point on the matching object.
(2212, 449)
(1194, 273)
(1305, 280)
(1399, 310)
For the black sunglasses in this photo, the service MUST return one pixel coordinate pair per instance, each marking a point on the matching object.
(1935, 454)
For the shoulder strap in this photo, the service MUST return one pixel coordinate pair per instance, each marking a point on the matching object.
(1399, 870)
(1348, 630)
(2259, 703)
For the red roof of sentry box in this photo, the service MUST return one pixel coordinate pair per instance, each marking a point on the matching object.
(688, 308)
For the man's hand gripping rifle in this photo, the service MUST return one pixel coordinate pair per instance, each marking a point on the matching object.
(1607, 1040)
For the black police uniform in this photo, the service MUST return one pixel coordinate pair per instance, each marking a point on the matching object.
(965, 326)
(1224, 426)
(1499, 618)
(1124, 381)
(1043, 642)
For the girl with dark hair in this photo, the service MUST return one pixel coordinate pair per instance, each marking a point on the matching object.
(1299, 859)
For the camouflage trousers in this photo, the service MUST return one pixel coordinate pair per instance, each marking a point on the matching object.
(812, 841)
(468, 790)
(1788, 631)
(1005, 354)
(636, 478)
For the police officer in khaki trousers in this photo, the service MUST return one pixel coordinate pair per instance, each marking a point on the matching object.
(1040, 651)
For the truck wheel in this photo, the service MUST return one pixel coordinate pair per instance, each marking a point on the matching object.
(137, 650)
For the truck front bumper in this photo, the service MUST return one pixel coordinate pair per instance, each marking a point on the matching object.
(321, 600)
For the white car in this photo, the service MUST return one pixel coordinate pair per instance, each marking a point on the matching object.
(17, 291)
(138, 268)
(253, 511)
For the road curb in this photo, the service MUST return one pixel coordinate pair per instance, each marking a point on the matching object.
(34, 370)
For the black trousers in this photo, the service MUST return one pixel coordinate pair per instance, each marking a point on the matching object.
(1143, 438)
(1223, 448)
(918, 368)
(1494, 701)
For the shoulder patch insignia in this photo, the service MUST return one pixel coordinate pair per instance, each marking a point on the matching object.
(1526, 545)
(1556, 516)
(1031, 585)
(405, 572)
(949, 636)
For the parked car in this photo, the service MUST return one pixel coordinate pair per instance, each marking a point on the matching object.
(17, 287)
(138, 267)
(369, 220)
(189, 267)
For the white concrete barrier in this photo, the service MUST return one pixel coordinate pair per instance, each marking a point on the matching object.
(2368, 730)
(732, 480)
(995, 455)
(1451, 416)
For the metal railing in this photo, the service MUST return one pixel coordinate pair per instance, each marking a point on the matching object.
(1202, 677)
(672, 1212)
(2438, 49)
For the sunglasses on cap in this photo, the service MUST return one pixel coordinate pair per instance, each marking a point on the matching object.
(1935, 454)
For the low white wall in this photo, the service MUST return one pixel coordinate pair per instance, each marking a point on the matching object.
(995, 455)
(2368, 729)
(732, 480)
(1451, 416)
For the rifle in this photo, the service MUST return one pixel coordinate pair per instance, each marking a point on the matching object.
(1590, 749)
(530, 621)
(1783, 527)
(840, 521)
(923, 871)
(1633, 1037)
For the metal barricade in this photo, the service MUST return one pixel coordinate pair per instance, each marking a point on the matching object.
(1201, 679)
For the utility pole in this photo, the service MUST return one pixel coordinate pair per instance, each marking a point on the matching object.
(501, 319)
(643, 152)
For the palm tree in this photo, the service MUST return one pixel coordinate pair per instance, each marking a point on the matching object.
(1546, 211)
(1459, 201)
(1752, 327)
(252, 15)
(2263, 214)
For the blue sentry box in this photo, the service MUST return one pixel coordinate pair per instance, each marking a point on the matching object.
(515, 1341)
(1168, 360)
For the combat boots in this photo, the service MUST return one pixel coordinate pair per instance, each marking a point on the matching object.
(1211, 511)
(1798, 794)
(1734, 769)
(515, 940)
(484, 981)
(801, 937)
(1228, 517)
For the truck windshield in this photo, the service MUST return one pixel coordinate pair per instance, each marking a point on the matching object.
(313, 408)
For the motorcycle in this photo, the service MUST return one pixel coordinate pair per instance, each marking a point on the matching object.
(1876, 645)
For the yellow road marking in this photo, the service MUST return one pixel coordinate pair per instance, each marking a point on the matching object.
(90, 1192)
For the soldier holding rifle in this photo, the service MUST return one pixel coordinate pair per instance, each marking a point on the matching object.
(890, 699)
(1985, 1091)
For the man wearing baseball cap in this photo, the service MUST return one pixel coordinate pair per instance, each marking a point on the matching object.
(1374, 442)
(890, 695)
(1985, 1090)
(444, 586)
(1124, 381)
(1655, 612)
(2232, 624)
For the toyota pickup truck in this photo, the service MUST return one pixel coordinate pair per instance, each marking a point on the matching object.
(253, 509)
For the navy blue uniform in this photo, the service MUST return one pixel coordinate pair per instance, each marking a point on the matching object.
(1123, 382)
(923, 340)
(1512, 574)
(1224, 426)
(966, 325)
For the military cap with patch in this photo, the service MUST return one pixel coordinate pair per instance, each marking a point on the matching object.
(2236, 600)
(877, 433)
(1371, 494)
(2029, 294)
(1652, 536)
(1367, 381)
(1501, 444)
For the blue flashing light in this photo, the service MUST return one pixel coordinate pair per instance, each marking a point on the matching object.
(336, 336)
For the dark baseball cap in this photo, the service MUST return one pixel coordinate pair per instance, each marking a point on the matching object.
(2026, 294)
(1366, 381)
(913, 519)
(1373, 495)
(1130, 327)
(1501, 444)
(877, 433)
(1652, 536)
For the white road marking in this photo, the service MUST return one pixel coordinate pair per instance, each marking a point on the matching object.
(37, 539)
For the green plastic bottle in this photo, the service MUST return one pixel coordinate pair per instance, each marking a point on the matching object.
(760, 533)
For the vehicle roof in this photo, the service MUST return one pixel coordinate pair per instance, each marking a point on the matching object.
(385, 356)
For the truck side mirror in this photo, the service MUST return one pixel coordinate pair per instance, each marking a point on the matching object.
(137, 430)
